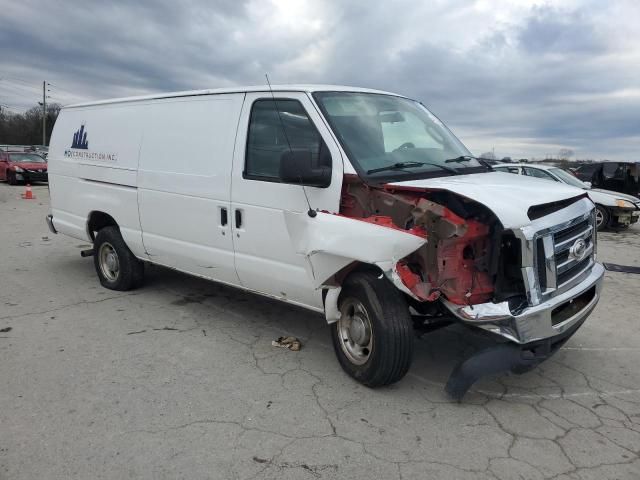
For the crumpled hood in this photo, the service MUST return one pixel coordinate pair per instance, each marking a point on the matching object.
(508, 196)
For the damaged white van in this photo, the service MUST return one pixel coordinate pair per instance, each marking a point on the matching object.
(357, 203)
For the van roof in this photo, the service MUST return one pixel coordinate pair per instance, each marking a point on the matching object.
(240, 89)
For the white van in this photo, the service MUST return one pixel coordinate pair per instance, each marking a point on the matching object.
(357, 203)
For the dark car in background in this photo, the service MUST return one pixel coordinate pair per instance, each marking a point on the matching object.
(621, 177)
(22, 167)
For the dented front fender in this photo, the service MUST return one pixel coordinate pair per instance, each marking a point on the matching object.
(330, 242)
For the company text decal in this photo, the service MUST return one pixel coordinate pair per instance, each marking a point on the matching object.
(80, 149)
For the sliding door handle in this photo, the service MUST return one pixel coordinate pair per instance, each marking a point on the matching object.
(238, 218)
(224, 216)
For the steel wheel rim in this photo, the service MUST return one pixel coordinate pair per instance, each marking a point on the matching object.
(109, 262)
(355, 332)
(599, 217)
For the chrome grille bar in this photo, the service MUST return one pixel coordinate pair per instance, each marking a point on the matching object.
(560, 259)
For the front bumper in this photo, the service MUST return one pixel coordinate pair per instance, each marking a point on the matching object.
(505, 357)
(534, 334)
(548, 319)
(622, 217)
(34, 176)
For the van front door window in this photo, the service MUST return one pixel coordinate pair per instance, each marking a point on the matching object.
(276, 127)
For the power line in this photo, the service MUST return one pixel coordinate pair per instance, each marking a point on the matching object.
(12, 109)
(18, 79)
(19, 92)
(66, 92)
(16, 85)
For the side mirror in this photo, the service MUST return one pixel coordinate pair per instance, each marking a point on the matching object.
(588, 184)
(296, 166)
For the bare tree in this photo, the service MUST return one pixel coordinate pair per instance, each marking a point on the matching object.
(26, 128)
(565, 153)
(488, 156)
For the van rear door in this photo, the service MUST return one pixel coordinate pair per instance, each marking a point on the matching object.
(266, 259)
(184, 183)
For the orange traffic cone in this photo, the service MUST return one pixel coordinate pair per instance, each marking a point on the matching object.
(28, 193)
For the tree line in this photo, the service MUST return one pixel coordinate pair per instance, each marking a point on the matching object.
(26, 128)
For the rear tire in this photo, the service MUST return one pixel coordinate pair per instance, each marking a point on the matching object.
(373, 339)
(602, 218)
(116, 266)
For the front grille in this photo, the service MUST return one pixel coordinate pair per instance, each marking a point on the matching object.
(573, 271)
(565, 254)
(570, 232)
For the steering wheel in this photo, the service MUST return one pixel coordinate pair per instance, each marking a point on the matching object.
(405, 146)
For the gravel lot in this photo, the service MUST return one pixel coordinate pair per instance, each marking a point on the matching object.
(179, 380)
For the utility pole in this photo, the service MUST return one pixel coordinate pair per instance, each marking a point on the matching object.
(44, 113)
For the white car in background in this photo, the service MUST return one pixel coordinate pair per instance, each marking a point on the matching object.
(613, 209)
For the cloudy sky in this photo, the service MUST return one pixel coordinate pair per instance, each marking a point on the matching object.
(526, 78)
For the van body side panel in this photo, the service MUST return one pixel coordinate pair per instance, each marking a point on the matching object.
(184, 183)
(266, 257)
(93, 158)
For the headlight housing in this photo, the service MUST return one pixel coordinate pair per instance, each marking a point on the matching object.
(624, 203)
(18, 169)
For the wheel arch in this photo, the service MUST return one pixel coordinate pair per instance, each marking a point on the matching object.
(331, 296)
(97, 220)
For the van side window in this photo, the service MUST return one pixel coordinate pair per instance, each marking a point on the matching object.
(267, 140)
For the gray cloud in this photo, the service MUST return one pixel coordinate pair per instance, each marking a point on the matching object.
(565, 32)
(529, 80)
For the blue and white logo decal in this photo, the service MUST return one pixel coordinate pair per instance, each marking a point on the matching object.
(80, 139)
(80, 149)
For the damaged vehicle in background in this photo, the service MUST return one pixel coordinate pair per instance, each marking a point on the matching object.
(22, 167)
(613, 209)
(357, 203)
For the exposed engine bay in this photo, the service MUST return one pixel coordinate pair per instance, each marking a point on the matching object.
(461, 258)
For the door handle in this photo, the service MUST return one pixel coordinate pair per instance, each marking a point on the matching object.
(224, 216)
(238, 218)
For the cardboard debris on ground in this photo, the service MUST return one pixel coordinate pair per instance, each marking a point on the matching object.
(292, 343)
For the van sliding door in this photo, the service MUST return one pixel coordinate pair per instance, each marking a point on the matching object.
(184, 183)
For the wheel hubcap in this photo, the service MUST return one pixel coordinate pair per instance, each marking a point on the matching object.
(355, 332)
(109, 263)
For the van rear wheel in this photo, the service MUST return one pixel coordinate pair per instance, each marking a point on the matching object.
(116, 266)
(373, 339)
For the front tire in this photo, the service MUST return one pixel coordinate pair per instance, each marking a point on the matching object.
(373, 339)
(602, 218)
(11, 178)
(116, 266)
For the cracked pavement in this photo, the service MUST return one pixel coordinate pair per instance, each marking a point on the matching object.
(179, 380)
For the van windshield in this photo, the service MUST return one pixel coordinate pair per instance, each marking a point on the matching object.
(394, 138)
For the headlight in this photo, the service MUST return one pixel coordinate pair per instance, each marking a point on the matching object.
(624, 204)
(18, 169)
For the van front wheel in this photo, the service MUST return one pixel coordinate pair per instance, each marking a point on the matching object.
(373, 339)
(116, 266)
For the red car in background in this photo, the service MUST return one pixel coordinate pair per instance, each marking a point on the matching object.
(19, 166)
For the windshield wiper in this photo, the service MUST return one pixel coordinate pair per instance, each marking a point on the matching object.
(468, 158)
(402, 165)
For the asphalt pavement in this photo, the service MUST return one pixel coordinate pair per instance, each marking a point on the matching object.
(179, 380)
